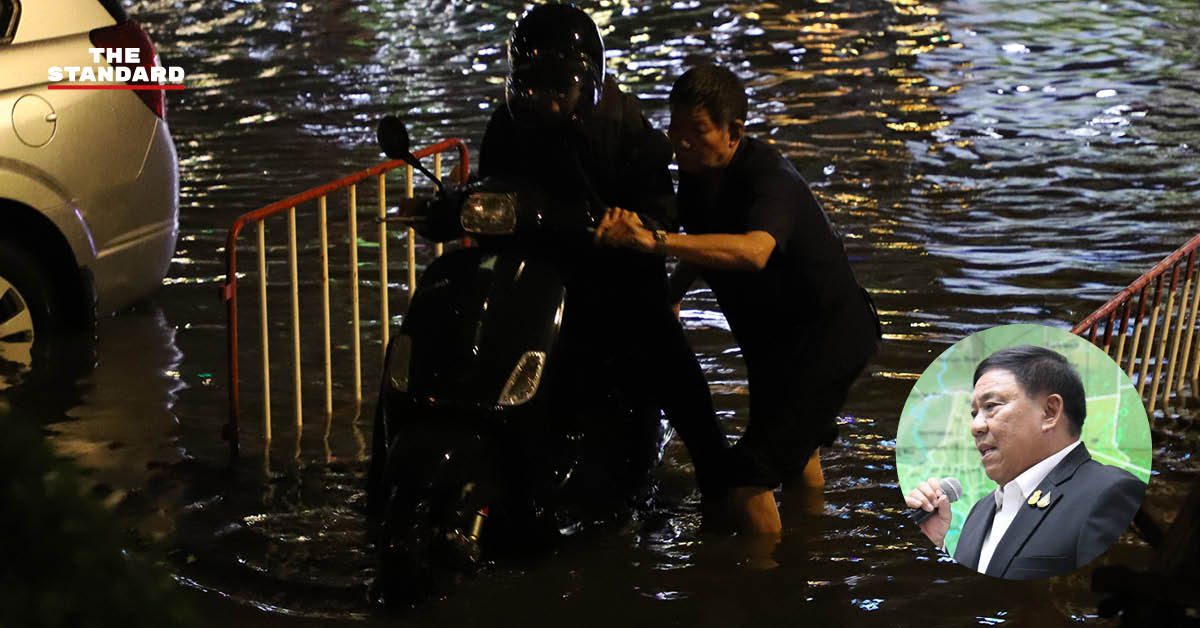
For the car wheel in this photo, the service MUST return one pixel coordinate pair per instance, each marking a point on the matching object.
(28, 304)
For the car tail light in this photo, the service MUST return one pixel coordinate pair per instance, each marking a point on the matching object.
(130, 35)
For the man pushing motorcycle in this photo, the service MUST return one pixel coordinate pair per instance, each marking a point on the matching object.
(762, 242)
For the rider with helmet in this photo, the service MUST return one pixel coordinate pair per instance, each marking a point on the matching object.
(567, 123)
(568, 126)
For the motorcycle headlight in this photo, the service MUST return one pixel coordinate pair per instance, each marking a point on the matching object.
(489, 213)
(398, 361)
(523, 382)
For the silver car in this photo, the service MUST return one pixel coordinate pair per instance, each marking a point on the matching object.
(88, 178)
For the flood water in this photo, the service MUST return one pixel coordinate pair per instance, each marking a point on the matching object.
(988, 161)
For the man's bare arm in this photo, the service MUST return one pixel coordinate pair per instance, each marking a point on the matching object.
(732, 251)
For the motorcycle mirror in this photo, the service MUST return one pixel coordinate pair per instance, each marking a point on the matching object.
(393, 138)
(392, 135)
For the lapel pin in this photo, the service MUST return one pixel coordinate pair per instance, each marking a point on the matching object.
(1033, 499)
(1044, 501)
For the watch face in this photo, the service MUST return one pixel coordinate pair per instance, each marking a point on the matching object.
(660, 239)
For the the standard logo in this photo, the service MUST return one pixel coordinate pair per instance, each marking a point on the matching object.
(116, 68)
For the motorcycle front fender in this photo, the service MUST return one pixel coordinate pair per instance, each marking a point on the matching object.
(475, 313)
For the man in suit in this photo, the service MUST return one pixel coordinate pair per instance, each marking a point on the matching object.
(1055, 509)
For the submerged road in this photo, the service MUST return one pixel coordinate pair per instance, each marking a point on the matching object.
(987, 161)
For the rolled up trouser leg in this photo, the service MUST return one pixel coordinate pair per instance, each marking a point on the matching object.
(791, 415)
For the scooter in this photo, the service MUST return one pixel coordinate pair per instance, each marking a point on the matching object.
(494, 433)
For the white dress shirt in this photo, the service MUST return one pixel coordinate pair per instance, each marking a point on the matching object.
(1010, 497)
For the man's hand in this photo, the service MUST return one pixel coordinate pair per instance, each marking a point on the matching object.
(621, 227)
(929, 496)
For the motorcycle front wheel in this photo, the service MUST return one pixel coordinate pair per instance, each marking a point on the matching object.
(431, 532)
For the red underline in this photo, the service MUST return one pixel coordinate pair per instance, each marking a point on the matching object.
(131, 87)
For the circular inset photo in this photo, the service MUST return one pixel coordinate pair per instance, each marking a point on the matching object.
(1023, 451)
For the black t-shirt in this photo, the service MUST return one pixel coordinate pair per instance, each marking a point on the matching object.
(805, 305)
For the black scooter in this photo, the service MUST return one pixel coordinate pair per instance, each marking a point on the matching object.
(494, 434)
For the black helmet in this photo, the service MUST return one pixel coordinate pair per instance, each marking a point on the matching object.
(555, 51)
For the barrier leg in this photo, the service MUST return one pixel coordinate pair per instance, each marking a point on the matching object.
(322, 216)
(262, 319)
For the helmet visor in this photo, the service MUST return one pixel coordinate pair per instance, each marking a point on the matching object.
(547, 91)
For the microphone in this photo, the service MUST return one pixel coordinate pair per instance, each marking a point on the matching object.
(953, 490)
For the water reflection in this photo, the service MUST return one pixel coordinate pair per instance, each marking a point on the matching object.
(117, 434)
(988, 162)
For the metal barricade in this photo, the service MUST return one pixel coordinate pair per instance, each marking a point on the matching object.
(289, 206)
(1148, 328)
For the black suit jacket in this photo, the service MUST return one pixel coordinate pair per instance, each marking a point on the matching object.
(1090, 506)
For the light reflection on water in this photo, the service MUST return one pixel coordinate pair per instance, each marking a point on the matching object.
(988, 162)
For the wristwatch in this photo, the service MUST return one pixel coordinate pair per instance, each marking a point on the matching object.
(660, 239)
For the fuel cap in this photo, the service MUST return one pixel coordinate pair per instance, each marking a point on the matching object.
(34, 120)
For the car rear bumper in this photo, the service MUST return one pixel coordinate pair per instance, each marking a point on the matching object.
(132, 266)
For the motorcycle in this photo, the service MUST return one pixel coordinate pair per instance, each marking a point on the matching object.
(496, 432)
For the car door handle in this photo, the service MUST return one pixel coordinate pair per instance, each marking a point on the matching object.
(51, 117)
